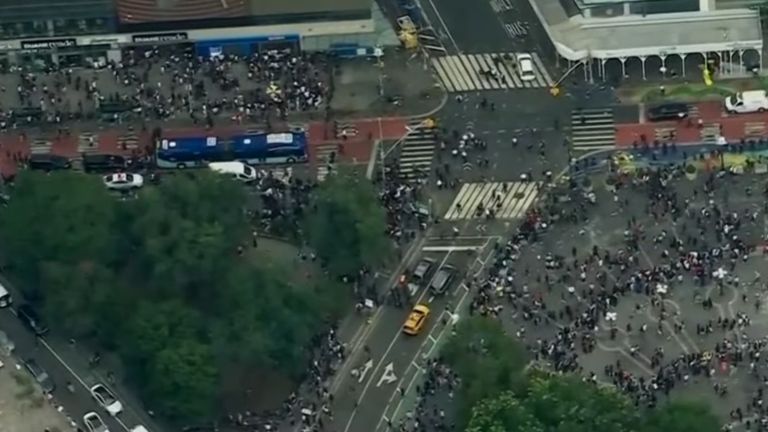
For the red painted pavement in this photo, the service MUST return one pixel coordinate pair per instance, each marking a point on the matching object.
(321, 138)
(733, 127)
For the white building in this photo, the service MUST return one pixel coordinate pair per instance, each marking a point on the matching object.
(660, 34)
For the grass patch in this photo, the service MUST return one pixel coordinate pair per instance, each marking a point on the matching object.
(687, 92)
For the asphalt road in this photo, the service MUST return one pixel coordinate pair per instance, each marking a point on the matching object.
(59, 361)
(390, 367)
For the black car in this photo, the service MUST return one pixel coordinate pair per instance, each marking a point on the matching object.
(40, 375)
(103, 162)
(31, 319)
(668, 111)
(49, 162)
(442, 280)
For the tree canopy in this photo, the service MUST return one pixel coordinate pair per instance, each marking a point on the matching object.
(346, 224)
(160, 279)
(486, 359)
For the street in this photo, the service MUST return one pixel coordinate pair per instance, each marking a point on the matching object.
(64, 364)
(387, 372)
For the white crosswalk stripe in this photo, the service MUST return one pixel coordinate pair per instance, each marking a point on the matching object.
(507, 200)
(472, 72)
(87, 142)
(323, 160)
(40, 146)
(416, 152)
(593, 129)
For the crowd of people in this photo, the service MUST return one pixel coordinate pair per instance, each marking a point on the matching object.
(566, 309)
(157, 85)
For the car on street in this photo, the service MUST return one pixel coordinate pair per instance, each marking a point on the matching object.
(123, 181)
(5, 297)
(106, 399)
(48, 162)
(104, 162)
(525, 64)
(667, 111)
(416, 320)
(40, 375)
(442, 280)
(94, 423)
(423, 268)
(28, 315)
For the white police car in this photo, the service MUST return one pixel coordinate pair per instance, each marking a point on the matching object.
(123, 181)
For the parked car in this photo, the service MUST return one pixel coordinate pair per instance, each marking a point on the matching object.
(667, 111)
(49, 162)
(94, 423)
(123, 181)
(106, 399)
(103, 162)
(40, 375)
(31, 319)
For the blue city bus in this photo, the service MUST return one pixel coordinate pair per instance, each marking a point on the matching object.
(253, 149)
(273, 148)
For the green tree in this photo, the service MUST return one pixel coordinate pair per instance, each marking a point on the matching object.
(503, 413)
(80, 298)
(257, 304)
(486, 359)
(347, 224)
(681, 416)
(566, 403)
(185, 233)
(182, 380)
(66, 217)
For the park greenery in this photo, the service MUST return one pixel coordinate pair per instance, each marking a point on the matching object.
(499, 392)
(159, 279)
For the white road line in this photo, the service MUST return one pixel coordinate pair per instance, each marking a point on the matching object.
(383, 358)
(508, 200)
(464, 72)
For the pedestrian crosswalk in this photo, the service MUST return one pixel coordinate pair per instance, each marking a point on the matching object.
(416, 152)
(754, 129)
(325, 155)
(505, 200)
(710, 132)
(496, 71)
(593, 129)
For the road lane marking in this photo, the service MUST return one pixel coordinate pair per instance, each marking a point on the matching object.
(386, 353)
(428, 354)
(450, 248)
(431, 339)
(367, 327)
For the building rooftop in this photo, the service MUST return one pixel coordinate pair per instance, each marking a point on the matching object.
(280, 7)
(145, 11)
(578, 38)
(42, 10)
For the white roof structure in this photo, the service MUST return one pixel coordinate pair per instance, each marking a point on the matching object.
(578, 38)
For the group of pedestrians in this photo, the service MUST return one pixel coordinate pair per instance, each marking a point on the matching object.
(168, 84)
(566, 304)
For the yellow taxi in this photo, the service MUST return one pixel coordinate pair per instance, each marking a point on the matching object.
(416, 320)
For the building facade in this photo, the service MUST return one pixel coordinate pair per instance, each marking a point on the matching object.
(92, 32)
(677, 35)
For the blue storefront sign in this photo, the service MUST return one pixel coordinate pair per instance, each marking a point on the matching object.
(243, 46)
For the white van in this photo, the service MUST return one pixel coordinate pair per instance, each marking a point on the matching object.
(5, 297)
(747, 102)
(238, 170)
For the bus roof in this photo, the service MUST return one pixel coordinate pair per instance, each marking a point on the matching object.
(198, 144)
